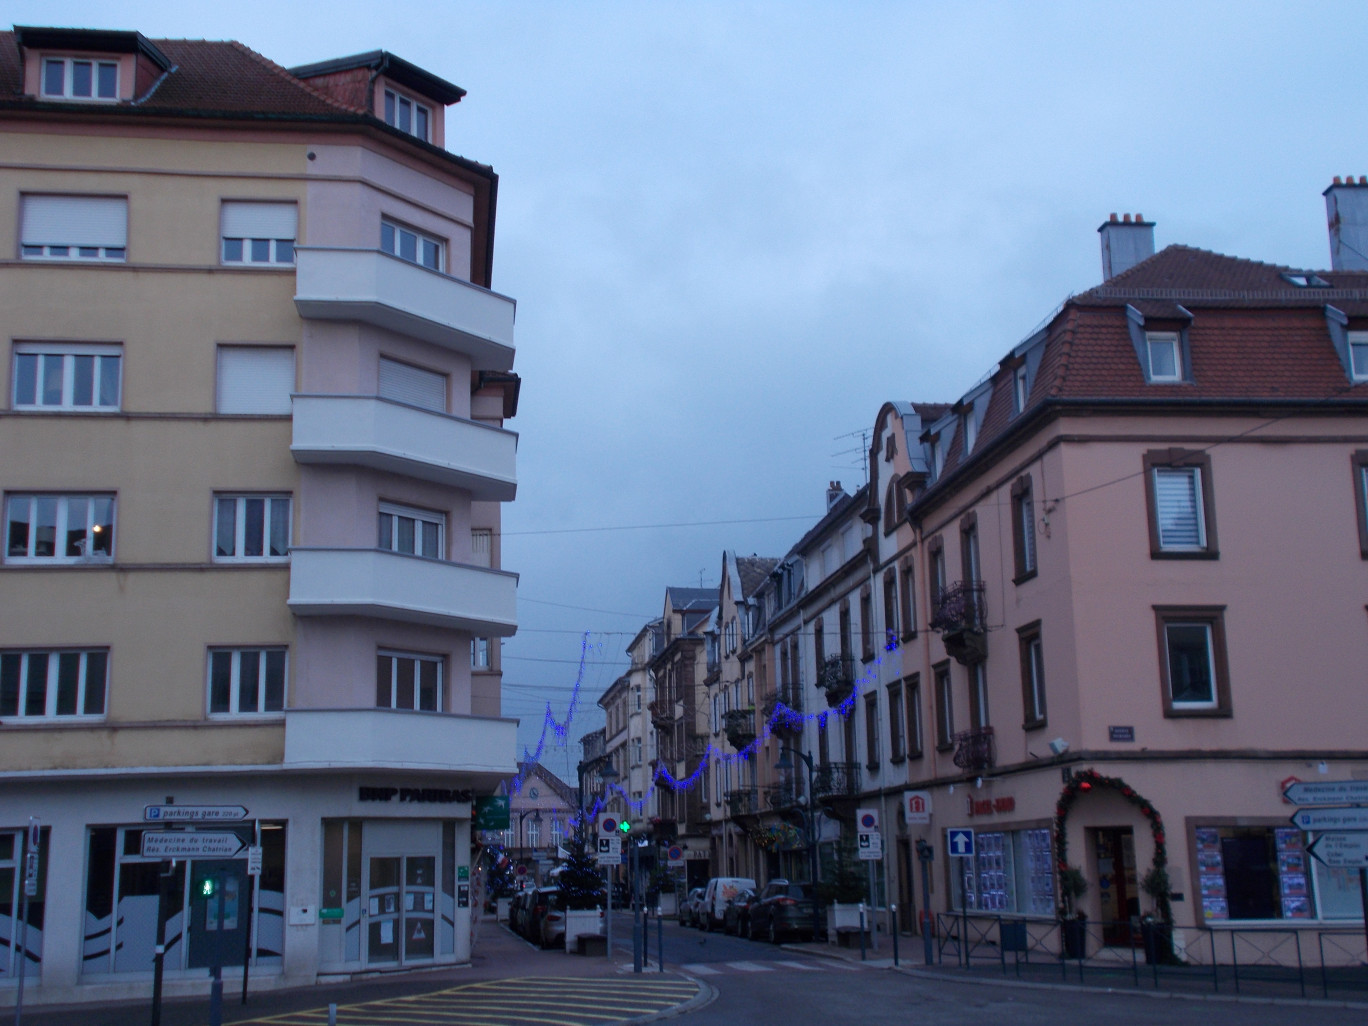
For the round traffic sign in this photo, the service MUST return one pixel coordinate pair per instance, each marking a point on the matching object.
(675, 852)
(869, 820)
(522, 870)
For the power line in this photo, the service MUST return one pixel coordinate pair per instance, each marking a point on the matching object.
(650, 527)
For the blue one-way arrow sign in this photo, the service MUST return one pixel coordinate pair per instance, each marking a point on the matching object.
(960, 841)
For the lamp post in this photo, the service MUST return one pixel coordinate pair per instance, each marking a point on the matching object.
(536, 818)
(785, 764)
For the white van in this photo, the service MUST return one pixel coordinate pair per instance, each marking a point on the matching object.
(720, 890)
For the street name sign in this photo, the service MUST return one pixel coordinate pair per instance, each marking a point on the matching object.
(1327, 792)
(193, 813)
(1341, 850)
(186, 844)
(1331, 819)
(960, 841)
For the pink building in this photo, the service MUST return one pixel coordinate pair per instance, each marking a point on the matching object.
(1121, 575)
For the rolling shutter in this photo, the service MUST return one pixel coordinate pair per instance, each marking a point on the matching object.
(413, 385)
(255, 379)
(75, 221)
(259, 220)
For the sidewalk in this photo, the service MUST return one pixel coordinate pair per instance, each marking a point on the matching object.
(498, 954)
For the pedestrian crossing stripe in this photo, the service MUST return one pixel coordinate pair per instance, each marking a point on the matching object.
(547, 1001)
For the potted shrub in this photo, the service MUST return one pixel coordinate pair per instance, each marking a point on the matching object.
(1073, 921)
(842, 892)
(582, 890)
(1155, 929)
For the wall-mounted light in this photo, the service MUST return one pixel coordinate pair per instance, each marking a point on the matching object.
(1059, 746)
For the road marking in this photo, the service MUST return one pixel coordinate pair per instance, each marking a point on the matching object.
(805, 966)
(750, 967)
(699, 969)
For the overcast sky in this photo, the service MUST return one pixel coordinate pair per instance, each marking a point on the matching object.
(735, 229)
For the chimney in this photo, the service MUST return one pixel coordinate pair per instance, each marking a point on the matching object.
(834, 493)
(1125, 242)
(1346, 212)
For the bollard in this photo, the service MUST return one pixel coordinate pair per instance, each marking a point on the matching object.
(893, 917)
(862, 931)
(332, 1015)
(660, 941)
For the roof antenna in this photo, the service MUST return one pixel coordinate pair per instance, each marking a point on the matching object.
(700, 576)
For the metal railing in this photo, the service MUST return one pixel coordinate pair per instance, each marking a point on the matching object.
(744, 801)
(974, 749)
(836, 780)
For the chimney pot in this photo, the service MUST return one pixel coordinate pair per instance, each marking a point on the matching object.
(1125, 218)
(1363, 179)
(1125, 242)
(1114, 217)
(1139, 218)
(1337, 181)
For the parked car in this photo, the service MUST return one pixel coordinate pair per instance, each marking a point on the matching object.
(552, 930)
(736, 916)
(688, 908)
(720, 890)
(783, 909)
(539, 905)
(517, 909)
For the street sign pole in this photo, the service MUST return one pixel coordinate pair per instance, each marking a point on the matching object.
(31, 840)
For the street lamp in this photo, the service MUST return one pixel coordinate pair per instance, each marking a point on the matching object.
(785, 765)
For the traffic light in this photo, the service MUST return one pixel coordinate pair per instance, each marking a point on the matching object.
(206, 887)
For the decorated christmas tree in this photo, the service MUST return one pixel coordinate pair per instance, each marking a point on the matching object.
(581, 883)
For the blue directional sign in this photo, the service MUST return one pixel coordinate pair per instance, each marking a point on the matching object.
(960, 841)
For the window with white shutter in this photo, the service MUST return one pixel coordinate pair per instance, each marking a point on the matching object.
(255, 379)
(405, 383)
(74, 228)
(1179, 492)
(259, 233)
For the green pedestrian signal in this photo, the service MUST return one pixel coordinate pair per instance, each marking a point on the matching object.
(206, 887)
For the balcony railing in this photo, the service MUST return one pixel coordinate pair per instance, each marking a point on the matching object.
(959, 616)
(836, 677)
(974, 749)
(789, 722)
(376, 288)
(662, 714)
(367, 431)
(836, 780)
(783, 796)
(744, 801)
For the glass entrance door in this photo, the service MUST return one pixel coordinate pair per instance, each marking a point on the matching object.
(1116, 883)
(400, 906)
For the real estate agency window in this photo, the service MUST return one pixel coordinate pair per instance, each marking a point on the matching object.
(66, 377)
(59, 528)
(1011, 871)
(416, 532)
(1023, 529)
(57, 684)
(258, 233)
(408, 115)
(74, 228)
(1182, 515)
(1264, 872)
(411, 245)
(1032, 675)
(246, 681)
(251, 528)
(408, 681)
(1192, 659)
(80, 78)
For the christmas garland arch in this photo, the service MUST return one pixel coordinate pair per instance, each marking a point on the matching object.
(1087, 780)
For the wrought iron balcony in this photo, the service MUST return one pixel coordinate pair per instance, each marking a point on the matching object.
(789, 721)
(836, 780)
(837, 678)
(662, 714)
(783, 796)
(744, 802)
(739, 726)
(959, 617)
(974, 749)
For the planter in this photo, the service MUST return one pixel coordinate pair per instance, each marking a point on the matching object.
(1158, 940)
(669, 904)
(501, 909)
(1074, 937)
(844, 919)
(580, 923)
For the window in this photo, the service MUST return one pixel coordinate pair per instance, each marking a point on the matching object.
(637, 751)
(978, 696)
(59, 528)
(970, 432)
(1192, 659)
(1020, 391)
(534, 832)
(407, 115)
(908, 606)
(890, 609)
(557, 830)
(66, 377)
(1023, 529)
(1358, 355)
(251, 528)
(1359, 463)
(1165, 356)
(1011, 871)
(71, 78)
(74, 228)
(43, 685)
(246, 681)
(405, 681)
(1182, 515)
(872, 730)
(945, 708)
(969, 548)
(912, 694)
(411, 245)
(258, 233)
(866, 624)
(1264, 872)
(479, 653)
(1032, 675)
(415, 386)
(255, 379)
(413, 531)
(936, 550)
(480, 546)
(895, 723)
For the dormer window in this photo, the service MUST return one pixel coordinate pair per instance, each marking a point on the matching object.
(1165, 356)
(970, 432)
(1358, 355)
(1305, 279)
(75, 78)
(408, 115)
(1020, 391)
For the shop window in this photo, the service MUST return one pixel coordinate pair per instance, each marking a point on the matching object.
(1265, 873)
(12, 852)
(1011, 871)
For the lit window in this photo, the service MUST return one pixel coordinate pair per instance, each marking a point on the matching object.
(59, 528)
(246, 681)
(259, 233)
(1165, 361)
(405, 681)
(66, 377)
(74, 228)
(413, 246)
(251, 528)
(43, 685)
(407, 115)
(71, 78)
(413, 531)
